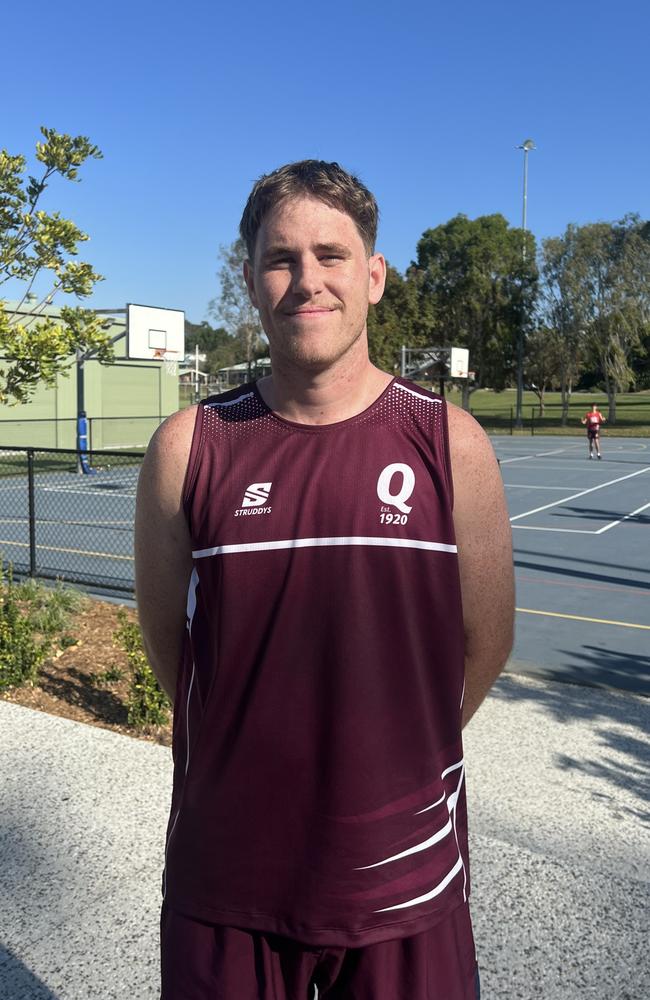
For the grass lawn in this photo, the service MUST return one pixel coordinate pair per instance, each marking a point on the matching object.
(495, 411)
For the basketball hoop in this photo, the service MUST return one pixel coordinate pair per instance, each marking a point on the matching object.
(160, 354)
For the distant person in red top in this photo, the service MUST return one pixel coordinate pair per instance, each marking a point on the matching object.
(593, 418)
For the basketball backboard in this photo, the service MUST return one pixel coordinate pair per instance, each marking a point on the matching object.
(459, 362)
(155, 334)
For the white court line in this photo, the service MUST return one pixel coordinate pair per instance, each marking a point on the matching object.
(537, 454)
(527, 486)
(581, 470)
(87, 493)
(620, 521)
(574, 496)
(567, 531)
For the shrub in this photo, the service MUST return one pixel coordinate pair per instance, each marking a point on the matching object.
(110, 676)
(48, 609)
(148, 704)
(21, 653)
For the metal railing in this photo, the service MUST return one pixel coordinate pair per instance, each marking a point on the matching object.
(550, 422)
(57, 523)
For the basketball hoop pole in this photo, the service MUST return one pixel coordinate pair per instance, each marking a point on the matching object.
(82, 357)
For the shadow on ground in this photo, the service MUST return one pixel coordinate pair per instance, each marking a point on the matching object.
(581, 574)
(593, 667)
(17, 982)
(619, 725)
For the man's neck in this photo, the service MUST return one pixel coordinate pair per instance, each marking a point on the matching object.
(323, 397)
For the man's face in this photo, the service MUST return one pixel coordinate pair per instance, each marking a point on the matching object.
(312, 281)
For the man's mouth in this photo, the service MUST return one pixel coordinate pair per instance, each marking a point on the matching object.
(311, 311)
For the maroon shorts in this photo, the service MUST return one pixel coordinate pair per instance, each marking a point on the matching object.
(203, 961)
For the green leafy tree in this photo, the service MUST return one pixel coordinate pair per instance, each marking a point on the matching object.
(563, 309)
(233, 306)
(219, 346)
(475, 288)
(35, 347)
(541, 362)
(600, 274)
(616, 259)
(393, 321)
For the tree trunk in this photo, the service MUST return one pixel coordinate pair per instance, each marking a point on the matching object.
(610, 386)
(467, 391)
(565, 386)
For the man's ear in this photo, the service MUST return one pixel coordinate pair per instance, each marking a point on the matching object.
(250, 282)
(377, 278)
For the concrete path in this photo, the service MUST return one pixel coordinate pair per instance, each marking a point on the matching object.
(560, 823)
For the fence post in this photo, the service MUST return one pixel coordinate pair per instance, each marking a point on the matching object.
(532, 421)
(32, 512)
(511, 422)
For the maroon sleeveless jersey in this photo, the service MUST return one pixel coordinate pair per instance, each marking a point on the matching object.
(318, 763)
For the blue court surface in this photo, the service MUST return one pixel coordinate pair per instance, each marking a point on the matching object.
(580, 532)
(582, 548)
(83, 524)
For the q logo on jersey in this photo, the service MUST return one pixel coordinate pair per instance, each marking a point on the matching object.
(394, 487)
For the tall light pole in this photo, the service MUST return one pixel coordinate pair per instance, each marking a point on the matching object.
(526, 145)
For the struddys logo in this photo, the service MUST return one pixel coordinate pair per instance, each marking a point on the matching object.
(255, 498)
(394, 488)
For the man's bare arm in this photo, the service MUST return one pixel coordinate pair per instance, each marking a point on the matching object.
(163, 550)
(484, 543)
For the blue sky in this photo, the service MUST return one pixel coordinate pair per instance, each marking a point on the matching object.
(190, 102)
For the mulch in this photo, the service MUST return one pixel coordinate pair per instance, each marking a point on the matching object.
(72, 683)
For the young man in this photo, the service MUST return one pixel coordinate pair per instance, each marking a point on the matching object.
(593, 419)
(324, 580)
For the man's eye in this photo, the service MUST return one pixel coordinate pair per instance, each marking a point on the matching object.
(280, 263)
(330, 258)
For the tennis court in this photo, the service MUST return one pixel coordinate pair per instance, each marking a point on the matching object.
(580, 532)
(83, 525)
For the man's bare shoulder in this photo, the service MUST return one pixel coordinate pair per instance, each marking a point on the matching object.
(171, 443)
(467, 437)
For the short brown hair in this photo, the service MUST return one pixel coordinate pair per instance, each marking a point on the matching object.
(327, 182)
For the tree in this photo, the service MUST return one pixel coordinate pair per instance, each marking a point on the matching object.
(562, 308)
(220, 347)
(35, 347)
(233, 305)
(393, 321)
(475, 289)
(541, 362)
(617, 264)
(602, 280)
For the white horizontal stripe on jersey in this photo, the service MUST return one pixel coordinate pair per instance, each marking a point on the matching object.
(437, 889)
(308, 543)
(412, 392)
(437, 836)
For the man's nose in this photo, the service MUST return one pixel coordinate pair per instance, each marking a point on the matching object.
(307, 279)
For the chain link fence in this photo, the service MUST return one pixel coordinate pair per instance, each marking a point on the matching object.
(58, 523)
(104, 433)
(630, 421)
